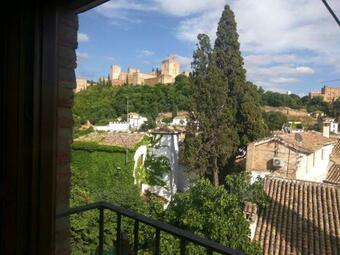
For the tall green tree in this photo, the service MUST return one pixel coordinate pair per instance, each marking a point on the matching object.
(245, 101)
(216, 213)
(208, 134)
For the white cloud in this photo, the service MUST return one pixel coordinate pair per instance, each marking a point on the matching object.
(82, 56)
(146, 53)
(109, 58)
(83, 37)
(284, 80)
(119, 11)
(188, 7)
(304, 70)
(265, 59)
(185, 62)
(279, 39)
(286, 32)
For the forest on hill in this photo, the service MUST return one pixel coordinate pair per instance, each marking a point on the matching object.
(103, 102)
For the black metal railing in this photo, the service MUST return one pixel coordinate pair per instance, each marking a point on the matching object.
(184, 236)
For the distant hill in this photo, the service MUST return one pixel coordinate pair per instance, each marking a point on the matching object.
(292, 114)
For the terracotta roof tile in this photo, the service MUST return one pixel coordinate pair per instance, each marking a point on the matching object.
(311, 141)
(302, 218)
(336, 151)
(333, 175)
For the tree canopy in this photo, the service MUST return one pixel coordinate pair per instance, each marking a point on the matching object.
(103, 102)
(217, 212)
(226, 112)
(275, 120)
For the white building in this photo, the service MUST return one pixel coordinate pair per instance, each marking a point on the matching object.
(166, 146)
(135, 120)
(333, 125)
(113, 127)
(303, 156)
(179, 121)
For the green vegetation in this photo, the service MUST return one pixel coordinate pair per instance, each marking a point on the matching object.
(293, 101)
(226, 113)
(103, 102)
(275, 120)
(153, 171)
(98, 173)
(101, 172)
(278, 99)
(217, 212)
(78, 133)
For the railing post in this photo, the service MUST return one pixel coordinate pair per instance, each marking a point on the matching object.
(157, 242)
(118, 238)
(101, 230)
(135, 237)
(183, 246)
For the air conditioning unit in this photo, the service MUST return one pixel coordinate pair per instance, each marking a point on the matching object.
(278, 162)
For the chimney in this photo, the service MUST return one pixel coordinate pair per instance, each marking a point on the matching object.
(325, 129)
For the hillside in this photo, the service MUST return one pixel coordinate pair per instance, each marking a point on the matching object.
(292, 114)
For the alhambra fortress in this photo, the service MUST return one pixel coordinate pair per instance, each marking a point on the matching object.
(170, 68)
(329, 94)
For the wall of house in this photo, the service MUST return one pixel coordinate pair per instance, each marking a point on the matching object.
(314, 167)
(67, 44)
(260, 159)
(168, 147)
(334, 127)
(113, 127)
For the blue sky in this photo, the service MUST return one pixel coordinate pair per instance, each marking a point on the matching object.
(286, 44)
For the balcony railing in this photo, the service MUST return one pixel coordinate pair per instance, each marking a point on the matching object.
(184, 236)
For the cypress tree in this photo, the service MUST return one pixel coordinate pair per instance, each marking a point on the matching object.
(245, 101)
(207, 144)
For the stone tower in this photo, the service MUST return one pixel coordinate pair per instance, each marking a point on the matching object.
(170, 66)
(115, 72)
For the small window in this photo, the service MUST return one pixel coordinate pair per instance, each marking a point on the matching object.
(322, 154)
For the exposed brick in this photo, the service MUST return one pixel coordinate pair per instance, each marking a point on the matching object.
(67, 57)
(70, 84)
(63, 157)
(65, 117)
(65, 97)
(67, 75)
(68, 18)
(65, 137)
(67, 41)
(68, 37)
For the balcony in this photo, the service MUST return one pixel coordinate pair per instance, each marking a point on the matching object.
(184, 237)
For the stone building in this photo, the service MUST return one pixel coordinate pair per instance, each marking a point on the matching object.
(303, 156)
(81, 85)
(329, 94)
(170, 68)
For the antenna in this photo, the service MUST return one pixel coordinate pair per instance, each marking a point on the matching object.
(331, 12)
(127, 106)
(298, 137)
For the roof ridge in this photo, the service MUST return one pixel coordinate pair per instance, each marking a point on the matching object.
(279, 178)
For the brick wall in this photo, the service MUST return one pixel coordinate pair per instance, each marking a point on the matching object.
(67, 44)
(260, 156)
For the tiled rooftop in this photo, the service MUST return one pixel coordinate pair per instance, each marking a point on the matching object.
(333, 175)
(302, 218)
(311, 141)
